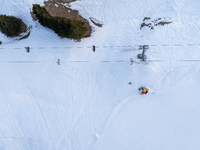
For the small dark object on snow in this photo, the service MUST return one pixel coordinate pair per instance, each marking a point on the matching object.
(140, 56)
(27, 49)
(129, 83)
(58, 61)
(144, 90)
(131, 61)
(93, 48)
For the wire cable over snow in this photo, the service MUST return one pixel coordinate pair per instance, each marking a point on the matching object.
(104, 61)
(105, 46)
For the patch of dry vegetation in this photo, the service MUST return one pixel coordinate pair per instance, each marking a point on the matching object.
(148, 22)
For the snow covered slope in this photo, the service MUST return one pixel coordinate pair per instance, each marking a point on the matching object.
(86, 102)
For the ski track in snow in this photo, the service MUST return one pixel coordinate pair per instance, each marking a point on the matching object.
(15, 126)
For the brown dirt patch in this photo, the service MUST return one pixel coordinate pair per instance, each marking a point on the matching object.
(33, 16)
(23, 27)
(25, 36)
(144, 24)
(23, 30)
(163, 23)
(26, 33)
(150, 23)
(63, 1)
(57, 8)
(146, 18)
(97, 24)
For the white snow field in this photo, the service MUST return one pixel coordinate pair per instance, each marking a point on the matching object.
(86, 102)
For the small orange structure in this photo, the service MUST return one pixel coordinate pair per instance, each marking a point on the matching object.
(144, 90)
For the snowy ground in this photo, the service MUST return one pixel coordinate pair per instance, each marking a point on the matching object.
(90, 105)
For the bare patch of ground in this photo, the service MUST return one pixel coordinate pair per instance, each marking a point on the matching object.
(24, 31)
(23, 27)
(63, 1)
(95, 23)
(25, 36)
(33, 16)
(150, 23)
(146, 18)
(59, 8)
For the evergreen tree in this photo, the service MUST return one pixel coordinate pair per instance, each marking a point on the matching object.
(10, 26)
(72, 29)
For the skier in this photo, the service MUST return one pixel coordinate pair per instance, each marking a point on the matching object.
(144, 90)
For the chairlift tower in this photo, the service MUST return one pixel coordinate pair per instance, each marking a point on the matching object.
(142, 56)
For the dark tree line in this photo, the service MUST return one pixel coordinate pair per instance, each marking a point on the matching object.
(72, 29)
(10, 26)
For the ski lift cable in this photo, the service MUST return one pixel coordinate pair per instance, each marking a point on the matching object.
(104, 61)
(109, 46)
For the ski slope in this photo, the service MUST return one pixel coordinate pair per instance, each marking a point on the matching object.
(86, 102)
